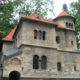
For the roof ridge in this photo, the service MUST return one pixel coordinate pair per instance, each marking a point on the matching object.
(63, 13)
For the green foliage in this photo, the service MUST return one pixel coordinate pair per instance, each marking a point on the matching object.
(40, 7)
(75, 12)
(10, 10)
(6, 18)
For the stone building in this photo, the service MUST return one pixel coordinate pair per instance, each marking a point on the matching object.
(40, 49)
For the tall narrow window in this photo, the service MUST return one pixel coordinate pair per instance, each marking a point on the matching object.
(59, 66)
(44, 35)
(71, 25)
(67, 24)
(43, 62)
(40, 34)
(35, 62)
(35, 34)
(57, 39)
(71, 42)
(74, 68)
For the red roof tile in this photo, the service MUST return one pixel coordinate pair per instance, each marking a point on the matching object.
(62, 14)
(60, 26)
(39, 18)
(9, 37)
(35, 17)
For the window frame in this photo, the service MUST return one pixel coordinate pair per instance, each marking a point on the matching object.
(59, 67)
(43, 62)
(35, 62)
(44, 35)
(35, 34)
(57, 39)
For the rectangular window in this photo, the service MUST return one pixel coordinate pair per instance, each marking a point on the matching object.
(57, 39)
(71, 42)
(44, 34)
(74, 68)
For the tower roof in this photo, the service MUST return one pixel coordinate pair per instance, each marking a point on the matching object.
(64, 14)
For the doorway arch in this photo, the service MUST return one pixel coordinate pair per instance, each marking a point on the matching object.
(14, 75)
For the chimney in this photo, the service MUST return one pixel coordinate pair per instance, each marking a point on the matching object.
(21, 14)
(64, 7)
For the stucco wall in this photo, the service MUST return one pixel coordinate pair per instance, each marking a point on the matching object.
(28, 34)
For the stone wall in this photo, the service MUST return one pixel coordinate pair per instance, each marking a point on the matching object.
(46, 79)
(7, 45)
(65, 40)
(25, 36)
(24, 63)
(62, 21)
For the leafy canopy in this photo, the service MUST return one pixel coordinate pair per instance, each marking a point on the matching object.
(9, 12)
(74, 11)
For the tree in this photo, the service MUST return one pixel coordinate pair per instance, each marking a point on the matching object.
(74, 11)
(9, 10)
(6, 18)
(40, 7)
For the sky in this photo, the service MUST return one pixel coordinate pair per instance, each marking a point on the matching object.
(58, 5)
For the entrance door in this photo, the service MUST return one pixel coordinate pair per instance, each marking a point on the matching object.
(14, 75)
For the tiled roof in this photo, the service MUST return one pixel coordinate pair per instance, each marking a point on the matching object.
(61, 27)
(62, 14)
(35, 17)
(9, 37)
(39, 18)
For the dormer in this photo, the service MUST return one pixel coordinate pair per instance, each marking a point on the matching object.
(65, 20)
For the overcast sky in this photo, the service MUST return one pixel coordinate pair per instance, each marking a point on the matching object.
(58, 4)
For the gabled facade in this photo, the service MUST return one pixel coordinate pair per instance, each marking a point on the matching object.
(41, 49)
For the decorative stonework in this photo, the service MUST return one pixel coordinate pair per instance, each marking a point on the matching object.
(15, 61)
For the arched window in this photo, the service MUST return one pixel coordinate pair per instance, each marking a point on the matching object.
(40, 34)
(71, 25)
(43, 62)
(35, 34)
(35, 62)
(59, 66)
(44, 35)
(67, 24)
(74, 68)
(71, 42)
